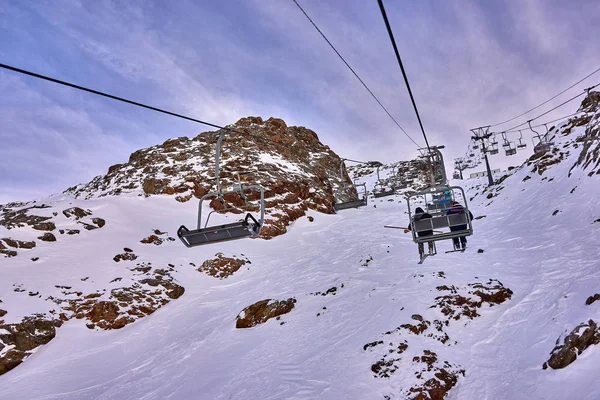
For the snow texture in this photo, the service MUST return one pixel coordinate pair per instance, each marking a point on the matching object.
(190, 349)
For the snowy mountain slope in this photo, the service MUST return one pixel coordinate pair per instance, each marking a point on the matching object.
(528, 288)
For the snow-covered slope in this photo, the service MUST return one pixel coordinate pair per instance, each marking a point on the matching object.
(479, 324)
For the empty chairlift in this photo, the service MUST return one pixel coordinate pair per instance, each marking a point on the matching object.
(509, 147)
(246, 227)
(379, 190)
(543, 145)
(521, 144)
(362, 197)
(493, 146)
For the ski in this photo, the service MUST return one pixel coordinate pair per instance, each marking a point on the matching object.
(455, 251)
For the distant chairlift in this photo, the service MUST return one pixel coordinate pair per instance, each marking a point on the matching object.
(493, 146)
(248, 226)
(543, 145)
(440, 223)
(521, 144)
(360, 202)
(509, 147)
(379, 190)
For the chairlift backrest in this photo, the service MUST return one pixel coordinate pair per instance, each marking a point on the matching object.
(439, 220)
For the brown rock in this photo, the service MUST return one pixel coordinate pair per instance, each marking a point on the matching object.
(99, 221)
(152, 239)
(582, 337)
(262, 311)
(47, 237)
(592, 299)
(124, 257)
(18, 244)
(76, 212)
(45, 226)
(24, 337)
(155, 186)
(104, 311)
(8, 253)
(221, 267)
(89, 227)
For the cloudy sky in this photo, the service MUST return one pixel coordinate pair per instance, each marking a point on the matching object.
(470, 63)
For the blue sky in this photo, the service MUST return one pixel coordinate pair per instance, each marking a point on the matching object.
(469, 62)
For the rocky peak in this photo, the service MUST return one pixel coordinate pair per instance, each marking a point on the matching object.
(591, 102)
(297, 171)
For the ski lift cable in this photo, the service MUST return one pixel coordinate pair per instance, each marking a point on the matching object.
(552, 109)
(550, 122)
(355, 74)
(547, 101)
(135, 103)
(389, 29)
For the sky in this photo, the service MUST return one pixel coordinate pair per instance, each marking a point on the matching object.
(470, 63)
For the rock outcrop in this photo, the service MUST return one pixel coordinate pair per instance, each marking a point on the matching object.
(261, 311)
(296, 170)
(582, 337)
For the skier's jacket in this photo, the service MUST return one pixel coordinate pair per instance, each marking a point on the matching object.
(419, 215)
(458, 209)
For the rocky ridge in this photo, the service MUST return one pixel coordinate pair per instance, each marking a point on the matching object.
(296, 170)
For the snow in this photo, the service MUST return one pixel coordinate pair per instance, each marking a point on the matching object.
(191, 349)
(266, 158)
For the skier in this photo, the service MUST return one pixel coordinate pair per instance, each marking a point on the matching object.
(460, 243)
(419, 215)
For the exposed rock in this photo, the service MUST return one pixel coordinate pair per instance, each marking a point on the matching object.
(126, 304)
(23, 338)
(582, 337)
(152, 239)
(76, 212)
(18, 244)
(436, 388)
(261, 311)
(47, 237)
(89, 227)
(221, 267)
(155, 186)
(8, 253)
(457, 305)
(592, 299)
(124, 257)
(296, 170)
(16, 219)
(99, 221)
(45, 226)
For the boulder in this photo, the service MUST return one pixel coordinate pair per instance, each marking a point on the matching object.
(261, 311)
(582, 337)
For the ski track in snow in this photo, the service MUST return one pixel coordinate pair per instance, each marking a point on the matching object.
(190, 349)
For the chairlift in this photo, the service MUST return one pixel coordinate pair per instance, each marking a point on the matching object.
(521, 144)
(360, 202)
(247, 227)
(379, 190)
(494, 142)
(543, 144)
(509, 147)
(440, 223)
